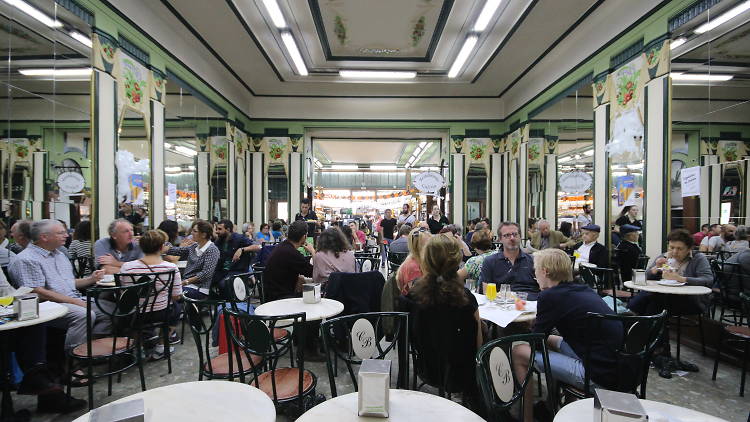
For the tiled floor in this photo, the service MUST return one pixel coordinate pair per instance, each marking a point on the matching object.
(694, 390)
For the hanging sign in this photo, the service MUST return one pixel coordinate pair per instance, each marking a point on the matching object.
(172, 192)
(575, 182)
(691, 181)
(71, 182)
(429, 182)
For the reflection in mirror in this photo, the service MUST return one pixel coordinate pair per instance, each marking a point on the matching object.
(711, 122)
(278, 200)
(219, 177)
(476, 193)
(133, 162)
(45, 114)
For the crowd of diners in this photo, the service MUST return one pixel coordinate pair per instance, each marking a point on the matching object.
(432, 279)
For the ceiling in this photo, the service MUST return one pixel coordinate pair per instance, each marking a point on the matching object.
(374, 152)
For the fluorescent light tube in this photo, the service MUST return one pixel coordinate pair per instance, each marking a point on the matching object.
(489, 9)
(422, 144)
(276, 16)
(724, 17)
(463, 55)
(383, 168)
(191, 168)
(565, 159)
(376, 74)
(84, 71)
(35, 13)
(344, 167)
(291, 47)
(589, 153)
(186, 150)
(172, 169)
(167, 145)
(705, 77)
(81, 38)
(678, 42)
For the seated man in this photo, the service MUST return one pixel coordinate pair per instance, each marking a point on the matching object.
(400, 245)
(119, 247)
(564, 305)
(20, 231)
(512, 265)
(590, 251)
(628, 251)
(235, 250)
(716, 243)
(287, 267)
(44, 268)
(545, 238)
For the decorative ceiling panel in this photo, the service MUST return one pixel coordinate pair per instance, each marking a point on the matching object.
(390, 30)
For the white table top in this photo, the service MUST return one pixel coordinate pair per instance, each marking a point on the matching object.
(654, 287)
(313, 311)
(583, 410)
(47, 312)
(212, 401)
(404, 405)
(502, 316)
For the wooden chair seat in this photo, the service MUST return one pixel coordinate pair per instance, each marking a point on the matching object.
(280, 334)
(739, 331)
(287, 383)
(220, 364)
(103, 347)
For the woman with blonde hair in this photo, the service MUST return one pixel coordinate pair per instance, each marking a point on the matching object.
(410, 270)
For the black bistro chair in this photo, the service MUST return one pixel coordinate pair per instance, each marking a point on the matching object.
(251, 335)
(395, 259)
(124, 307)
(83, 266)
(365, 262)
(353, 338)
(739, 335)
(603, 281)
(499, 386)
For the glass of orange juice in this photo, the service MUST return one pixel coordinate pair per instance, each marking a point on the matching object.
(491, 291)
(6, 296)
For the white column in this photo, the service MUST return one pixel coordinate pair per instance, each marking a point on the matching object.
(523, 187)
(707, 195)
(295, 183)
(258, 189)
(495, 189)
(655, 212)
(601, 173)
(241, 191)
(513, 191)
(231, 182)
(715, 180)
(550, 188)
(157, 164)
(38, 198)
(204, 185)
(506, 190)
(458, 182)
(105, 146)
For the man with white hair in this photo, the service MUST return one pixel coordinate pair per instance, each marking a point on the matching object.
(546, 238)
(44, 268)
(111, 252)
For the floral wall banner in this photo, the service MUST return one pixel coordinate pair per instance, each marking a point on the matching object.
(133, 90)
(657, 58)
(627, 112)
(478, 151)
(601, 88)
(276, 151)
(104, 52)
(731, 151)
(514, 143)
(158, 85)
(535, 151)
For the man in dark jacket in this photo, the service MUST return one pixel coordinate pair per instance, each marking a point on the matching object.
(236, 252)
(287, 267)
(590, 251)
(628, 251)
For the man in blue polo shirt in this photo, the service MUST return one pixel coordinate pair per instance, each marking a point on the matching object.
(119, 247)
(511, 266)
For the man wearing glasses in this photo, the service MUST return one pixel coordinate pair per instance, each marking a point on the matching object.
(512, 265)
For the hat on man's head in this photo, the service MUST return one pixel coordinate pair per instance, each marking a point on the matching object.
(592, 227)
(629, 228)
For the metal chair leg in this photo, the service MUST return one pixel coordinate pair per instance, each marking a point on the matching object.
(703, 337)
(679, 336)
(744, 368)
(718, 354)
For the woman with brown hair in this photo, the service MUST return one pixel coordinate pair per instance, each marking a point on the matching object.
(333, 254)
(202, 256)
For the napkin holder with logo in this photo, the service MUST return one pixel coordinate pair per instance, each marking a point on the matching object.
(374, 381)
(26, 306)
(613, 406)
(311, 292)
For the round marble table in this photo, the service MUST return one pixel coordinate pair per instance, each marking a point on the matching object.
(583, 410)
(211, 401)
(654, 287)
(313, 311)
(404, 405)
(47, 312)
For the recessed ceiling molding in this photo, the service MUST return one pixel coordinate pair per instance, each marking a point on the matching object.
(377, 74)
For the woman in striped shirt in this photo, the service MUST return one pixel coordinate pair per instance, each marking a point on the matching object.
(80, 248)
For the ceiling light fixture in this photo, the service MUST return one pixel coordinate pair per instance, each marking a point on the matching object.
(589, 153)
(81, 38)
(565, 159)
(422, 144)
(167, 145)
(724, 17)
(678, 42)
(172, 169)
(700, 77)
(276, 16)
(186, 151)
(344, 167)
(291, 47)
(35, 13)
(84, 71)
(463, 55)
(487, 12)
(383, 167)
(376, 74)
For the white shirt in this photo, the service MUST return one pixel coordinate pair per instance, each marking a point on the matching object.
(406, 219)
(199, 251)
(4, 243)
(584, 250)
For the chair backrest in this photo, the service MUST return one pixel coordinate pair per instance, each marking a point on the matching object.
(353, 338)
(600, 279)
(163, 286)
(640, 337)
(359, 292)
(265, 252)
(642, 262)
(499, 385)
(201, 328)
(731, 280)
(365, 262)
(83, 266)
(745, 299)
(244, 288)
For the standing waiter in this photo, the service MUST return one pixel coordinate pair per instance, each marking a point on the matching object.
(307, 214)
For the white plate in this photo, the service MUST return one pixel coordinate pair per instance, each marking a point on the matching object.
(672, 283)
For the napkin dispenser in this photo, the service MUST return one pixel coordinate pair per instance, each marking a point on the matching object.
(374, 380)
(311, 292)
(129, 411)
(613, 406)
(26, 306)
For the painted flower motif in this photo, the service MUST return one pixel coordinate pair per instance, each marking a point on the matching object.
(418, 32)
(221, 152)
(653, 56)
(534, 152)
(276, 151)
(599, 87)
(476, 152)
(458, 143)
(22, 151)
(339, 29)
(730, 153)
(109, 51)
(133, 88)
(626, 85)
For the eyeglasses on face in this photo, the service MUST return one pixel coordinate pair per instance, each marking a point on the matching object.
(511, 235)
(419, 231)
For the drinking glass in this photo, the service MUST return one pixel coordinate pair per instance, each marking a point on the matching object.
(504, 289)
(6, 296)
(521, 300)
(491, 291)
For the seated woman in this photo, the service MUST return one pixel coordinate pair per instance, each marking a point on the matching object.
(564, 305)
(410, 270)
(202, 256)
(358, 238)
(154, 243)
(80, 247)
(333, 254)
(264, 235)
(445, 319)
(481, 241)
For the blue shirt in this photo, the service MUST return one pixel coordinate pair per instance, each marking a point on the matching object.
(520, 275)
(266, 236)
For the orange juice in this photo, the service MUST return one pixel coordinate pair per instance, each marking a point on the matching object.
(491, 291)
